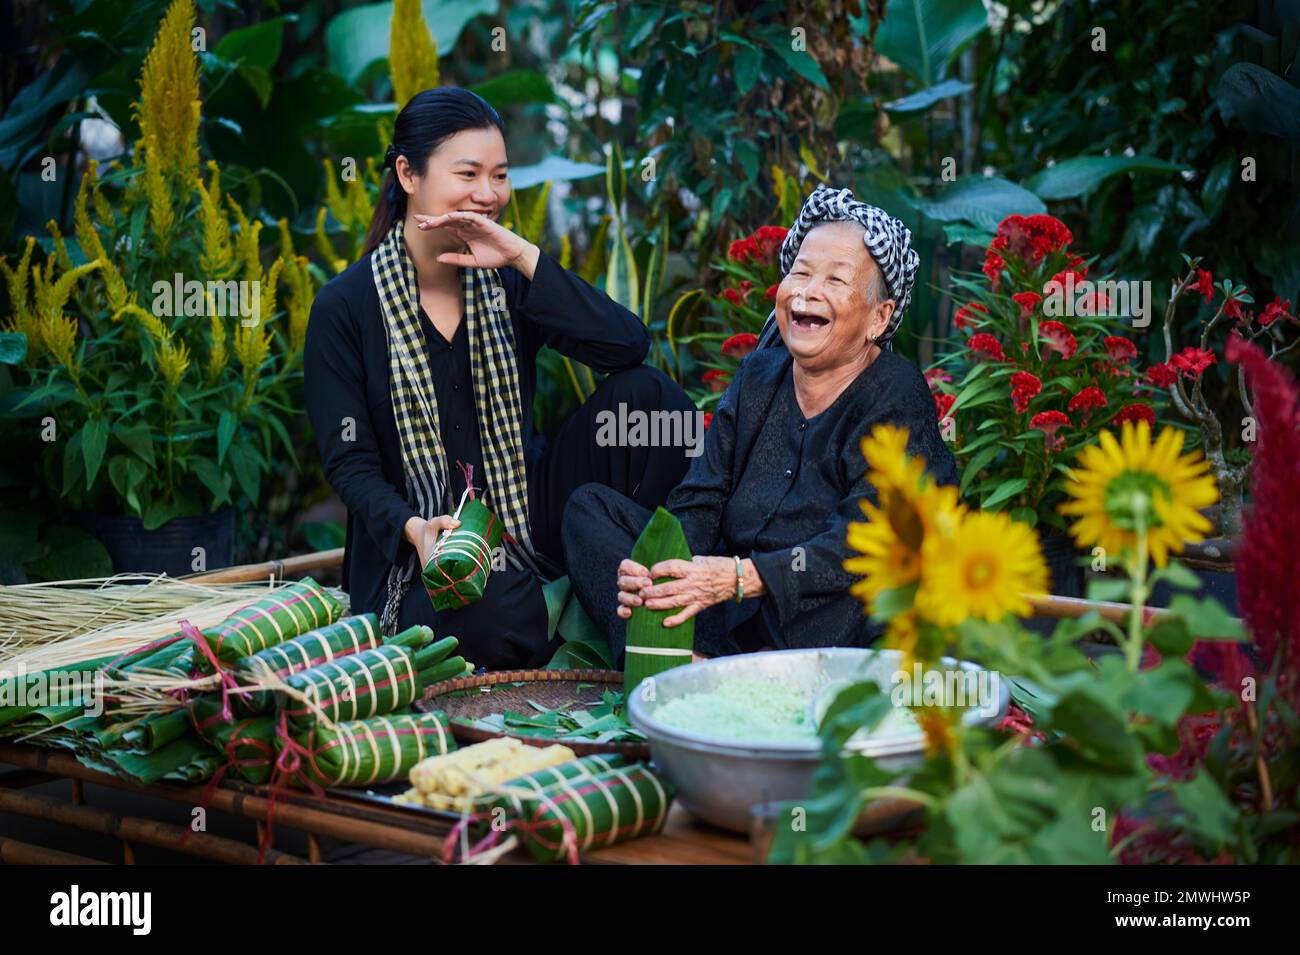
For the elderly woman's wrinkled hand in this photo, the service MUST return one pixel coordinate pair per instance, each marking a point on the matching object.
(700, 583)
(632, 579)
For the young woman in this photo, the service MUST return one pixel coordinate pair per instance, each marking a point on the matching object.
(420, 367)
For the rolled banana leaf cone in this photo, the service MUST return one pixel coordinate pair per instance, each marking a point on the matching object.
(247, 743)
(569, 818)
(651, 647)
(458, 569)
(367, 752)
(340, 639)
(289, 612)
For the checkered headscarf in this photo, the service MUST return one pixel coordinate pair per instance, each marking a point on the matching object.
(886, 238)
(495, 375)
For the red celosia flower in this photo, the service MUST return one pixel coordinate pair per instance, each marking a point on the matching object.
(1135, 412)
(1023, 387)
(1194, 733)
(1120, 348)
(933, 376)
(1269, 548)
(1049, 422)
(734, 296)
(964, 317)
(770, 294)
(740, 345)
(742, 250)
(1162, 375)
(1093, 303)
(986, 346)
(943, 404)
(1033, 238)
(708, 419)
(993, 266)
(1058, 338)
(1062, 280)
(1076, 262)
(1205, 284)
(1027, 301)
(1276, 309)
(1088, 398)
(716, 379)
(1191, 362)
(768, 238)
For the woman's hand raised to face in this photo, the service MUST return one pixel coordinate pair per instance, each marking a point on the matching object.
(491, 246)
(423, 535)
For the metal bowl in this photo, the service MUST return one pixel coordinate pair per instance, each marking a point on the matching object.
(719, 780)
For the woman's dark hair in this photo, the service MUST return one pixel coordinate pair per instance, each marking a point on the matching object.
(428, 120)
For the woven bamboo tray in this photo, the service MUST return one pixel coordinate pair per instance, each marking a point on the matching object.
(550, 688)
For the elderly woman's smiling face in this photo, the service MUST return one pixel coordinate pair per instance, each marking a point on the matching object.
(832, 304)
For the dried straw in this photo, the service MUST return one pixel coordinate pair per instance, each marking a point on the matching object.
(63, 622)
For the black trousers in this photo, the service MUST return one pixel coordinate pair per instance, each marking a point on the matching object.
(506, 628)
(600, 527)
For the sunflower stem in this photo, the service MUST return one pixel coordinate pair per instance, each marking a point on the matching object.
(1138, 588)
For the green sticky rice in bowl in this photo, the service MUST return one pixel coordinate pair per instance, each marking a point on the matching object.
(754, 710)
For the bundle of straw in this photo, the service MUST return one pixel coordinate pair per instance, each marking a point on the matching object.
(48, 625)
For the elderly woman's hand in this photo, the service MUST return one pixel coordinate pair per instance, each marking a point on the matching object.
(700, 583)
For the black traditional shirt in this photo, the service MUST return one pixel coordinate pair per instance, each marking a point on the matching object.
(345, 364)
(781, 489)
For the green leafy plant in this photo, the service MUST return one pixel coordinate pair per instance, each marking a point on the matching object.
(163, 268)
(1044, 369)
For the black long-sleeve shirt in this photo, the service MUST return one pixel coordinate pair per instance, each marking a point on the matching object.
(346, 385)
(782, 488)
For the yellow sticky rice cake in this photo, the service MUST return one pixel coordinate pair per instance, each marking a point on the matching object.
(452, 781)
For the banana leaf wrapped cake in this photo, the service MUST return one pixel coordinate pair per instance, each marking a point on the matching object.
(342, 638)
(285, 614)
(247, 743)
(458, 569)
(367, 752)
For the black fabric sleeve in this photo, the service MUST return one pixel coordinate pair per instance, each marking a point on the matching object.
(334, 388)
(699, 499)
(808, 574)
(577, 320)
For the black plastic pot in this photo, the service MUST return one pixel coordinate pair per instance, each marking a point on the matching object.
(168, 549)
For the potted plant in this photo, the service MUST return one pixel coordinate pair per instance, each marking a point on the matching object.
(1046, 364)
(162, 359)
(1179, 748)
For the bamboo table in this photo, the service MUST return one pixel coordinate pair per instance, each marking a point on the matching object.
(683, 841)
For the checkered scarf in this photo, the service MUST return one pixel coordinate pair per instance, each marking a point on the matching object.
(415, 406)
(888, 240)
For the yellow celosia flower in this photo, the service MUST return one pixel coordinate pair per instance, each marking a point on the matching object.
(168, 109)
(59, 335)
(372, 172)
(60, 247)
(22, 318)
(566, 252)
(161, 214)
(247, 240)
(218, 356)
(359, 202)
(981, 568)
(334, 201)
(937, 725)
(252, 345)
(217, 253)
(93, 247)
(298, 279)
(412, 52)
(323, 244)
(1116, 484)
(268, 293)
(173, 359)
(286, 240)
(150, 322)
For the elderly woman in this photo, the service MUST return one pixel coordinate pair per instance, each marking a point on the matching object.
(765, 507)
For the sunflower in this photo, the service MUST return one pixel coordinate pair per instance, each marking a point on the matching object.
(891, 539)
(982, 568)
(888, 465)
(1118, 483)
